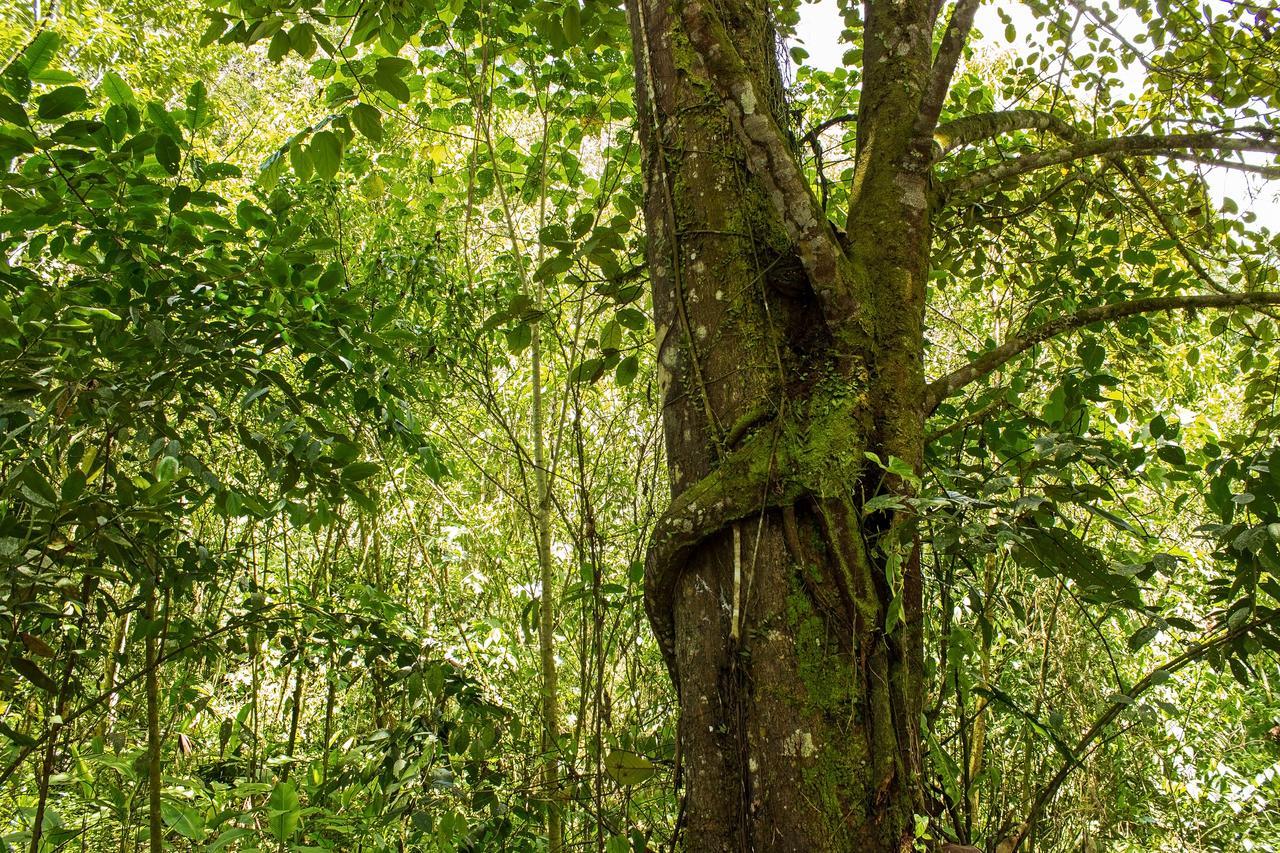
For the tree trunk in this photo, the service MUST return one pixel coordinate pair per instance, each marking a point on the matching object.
(790, 360)
(155, 825)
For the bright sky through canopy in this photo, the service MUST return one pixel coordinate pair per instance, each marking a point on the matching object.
(819, 32)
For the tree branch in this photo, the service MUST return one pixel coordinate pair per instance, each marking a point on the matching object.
(772, 162)
(1139, 144)
(944, 67)
(970, 129)
(1269, 172)
(941, 388)
(818, 129)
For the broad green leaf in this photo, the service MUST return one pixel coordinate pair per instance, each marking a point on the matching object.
(184, 820)
(572, 22)
(61, 102)
(518, 338)
(283, 811)
(325, 154)
(627, 768)
(41, 51)
(358, 471)
(280, 45)
(12, 112)
(632, 319)
(168, 153)
(627, 369)
(300, 160)
(167, 469)
(34, 674)
(116, 89)
(368, 120)
(197, 106)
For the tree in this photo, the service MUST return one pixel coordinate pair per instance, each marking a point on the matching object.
(324, 367)
(784, 583)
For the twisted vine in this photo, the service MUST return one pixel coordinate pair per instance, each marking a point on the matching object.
(815, 452)
(748, 480)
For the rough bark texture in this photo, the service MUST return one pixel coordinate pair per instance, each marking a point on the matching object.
(786, 355)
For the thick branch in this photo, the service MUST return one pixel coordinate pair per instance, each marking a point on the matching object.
(970, 129)
(941, 388)
(1138, 144)
(772, 162)
(944, 66)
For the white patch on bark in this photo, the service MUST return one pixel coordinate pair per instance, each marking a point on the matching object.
(667, 359)
(912, 193)
(799, 745)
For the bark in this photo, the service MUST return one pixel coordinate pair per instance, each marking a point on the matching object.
(789, 617)
(787, 605)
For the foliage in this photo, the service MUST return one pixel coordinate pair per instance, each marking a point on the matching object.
(271, 289)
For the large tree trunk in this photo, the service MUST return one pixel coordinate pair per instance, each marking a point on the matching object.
(786, 356)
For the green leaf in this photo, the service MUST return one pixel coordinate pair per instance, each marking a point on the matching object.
(60, 102)
(303, 39)
(587, 371)
(116, 90)
(611, 335)
(1142, 636)
(368, 120)
(197, 106)
(518, 338)
(627, 768)
(632, 319)
(326, 154)
(280, 45)
(571, 22)
(168, 153)
(300, 160)
(160, 117)
(357, 471)
(41, 51)
(387, 75)
(283, 811)
(383, 316)
(215, 29)
(16, 736)
(626, 371)
(187, 822)
(34, 674)
(179, 198)
(12, 112)
(16, 81)
(167, 469)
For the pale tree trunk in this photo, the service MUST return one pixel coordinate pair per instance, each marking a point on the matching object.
(155, 825)
(546, 607)
(790, 617)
